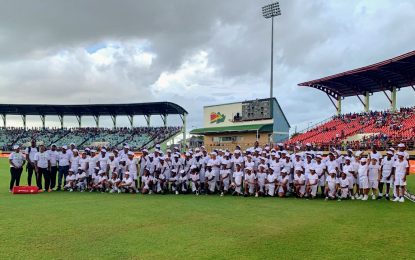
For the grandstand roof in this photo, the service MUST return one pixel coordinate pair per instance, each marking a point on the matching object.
(233, 129)
(396, 72)
(152, 108)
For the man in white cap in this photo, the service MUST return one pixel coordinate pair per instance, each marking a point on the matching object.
(386, 171)
(215, 162)
(321, 171)
(143, 161)
(42, 166)
(210, 180)
(92, 164)
(103, 159)
(64, 161)
(402, 149)
(363, 173)
(132, 167)
(30, 152)
(349, 170)
(54, 157)
(75, 160)
(16, 161)
(400, 171)
(250, 182)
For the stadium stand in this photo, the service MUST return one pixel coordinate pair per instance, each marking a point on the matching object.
(137, 138)
(363, 130)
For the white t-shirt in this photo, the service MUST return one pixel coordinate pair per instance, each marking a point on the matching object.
(70, 178)
(272, 177)
(63, 159)
(363, 171)
(33, 152)
(313, 179)
(237, 176)
(250, 178)
(373, 171)
(209, 175)
(261, 176)
(80, 176)
(387, 165)
(42, 159)
(344, 183)
(54, 157)
(17, 159)
(400, 167)
(299, 179)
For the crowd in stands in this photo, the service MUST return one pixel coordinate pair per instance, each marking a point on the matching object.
(138, 137)
(382, 129)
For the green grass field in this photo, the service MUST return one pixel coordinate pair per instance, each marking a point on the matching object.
(124, 226)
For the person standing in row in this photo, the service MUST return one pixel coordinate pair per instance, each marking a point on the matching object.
(30, 152)
(16, 161)
(64, 159)
(54, 156)
(42, 164)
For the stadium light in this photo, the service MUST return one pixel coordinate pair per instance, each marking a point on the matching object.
(270, 11)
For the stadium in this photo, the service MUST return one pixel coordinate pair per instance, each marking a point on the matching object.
(241, 184)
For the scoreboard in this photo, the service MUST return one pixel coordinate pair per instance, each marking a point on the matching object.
(259, 109)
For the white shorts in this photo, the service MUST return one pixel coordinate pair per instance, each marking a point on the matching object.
(322, 181)
(212, 185)
(270, 188)
(225, 184)
(302, 189)
(384, 178)
(352, 181)
(133, 175)
(251, 188)
(313, 191)
(238, 189)
(195, 185)
(261, 187)
(373, 184)
(399, 179)
(363, 183)
(281, 190)
(344, 193)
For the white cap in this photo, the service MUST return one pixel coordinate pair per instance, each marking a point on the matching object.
(332, 171)
(15, 147)
(168, 151)
(363, 160)
(283, 171)
(248, 168)
(72, 144)
(145, 150)
(401, 154)
(193, 167)
(401, 145)
(127, 146)
(308, 144)
(358, 153)
(319, 156)
(213, 153)
(111, 154)
(298, 168)
(389, 152)
(75, 150)
(130, 153)
(64, 147)
(127, 172)
(209, 164)
(103, 150)
(312, 168)
(101, 172)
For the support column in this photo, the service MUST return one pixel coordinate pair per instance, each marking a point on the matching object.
(147, 117)
(61, 120)
(24, 121)
(96, 118)
(79, 118)
(114, 121)
(43, 119)
(164, 118)
(184, 132)
(393, 97)
(131, 119)
(3, 116)
(367, 102)
(339, 105)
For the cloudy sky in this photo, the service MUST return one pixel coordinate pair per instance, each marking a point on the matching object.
(194, 53)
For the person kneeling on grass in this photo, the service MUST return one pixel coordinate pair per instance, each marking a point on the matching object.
(210, 179)
(237, 180)
(343, 186)
(224, 176)
(283, 180)
(113, 183)
(299, 183)
(331, 185)
(70, 181)
(81, 180)
(146, 182)
(312, 183)
(261, 177)
(127, 184)
(94, 179)
(173, 181)
(183, 182)
(270, 182)
(159, 182)
(102, 182)
(195, 179)
(249, 182)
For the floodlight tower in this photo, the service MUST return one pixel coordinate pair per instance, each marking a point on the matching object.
(270, 11)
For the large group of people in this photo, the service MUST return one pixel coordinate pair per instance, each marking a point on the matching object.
(303, 172)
